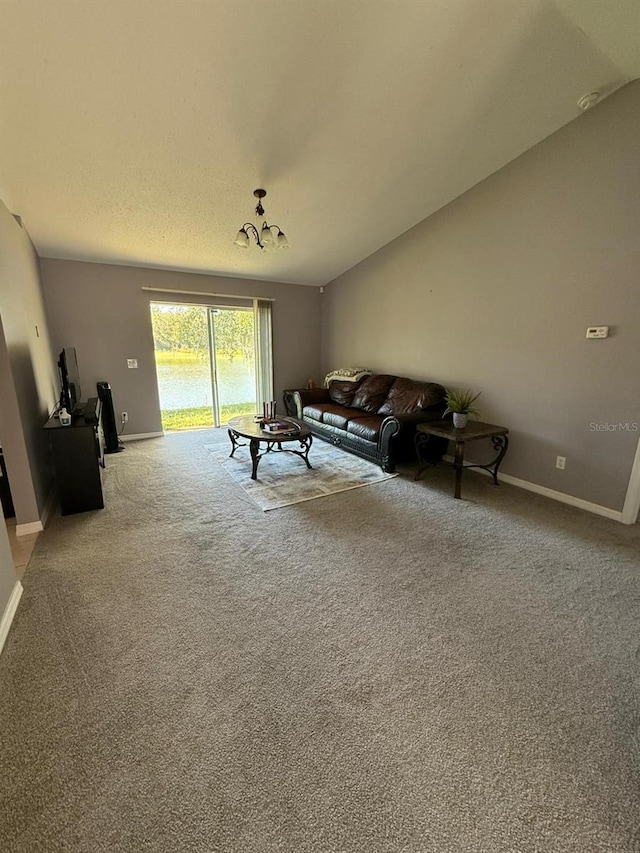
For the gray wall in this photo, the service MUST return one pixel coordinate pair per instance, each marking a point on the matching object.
(8, 413)
(103, 312)
(496, 290)
(13, 442)
(28, 375)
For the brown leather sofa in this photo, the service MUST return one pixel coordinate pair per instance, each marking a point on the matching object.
(374, 418)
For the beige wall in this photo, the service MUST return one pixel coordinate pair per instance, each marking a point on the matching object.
(103, 312)
(496, 290)
(28, 375)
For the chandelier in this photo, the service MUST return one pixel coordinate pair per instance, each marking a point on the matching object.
(265, 238)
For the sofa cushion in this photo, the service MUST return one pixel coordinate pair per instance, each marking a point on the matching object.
(338, 416)
(373, 391)
(343, 392)
(367, 427)
(315, 411)
(329, 413)
(407, 395)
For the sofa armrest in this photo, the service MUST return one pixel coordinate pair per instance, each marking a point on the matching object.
(393, 425)
(306, 396)
(400, 429)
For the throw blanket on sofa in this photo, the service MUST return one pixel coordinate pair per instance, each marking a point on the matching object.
(347, 374)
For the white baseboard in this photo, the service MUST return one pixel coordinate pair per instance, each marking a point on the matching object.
(597, 509)
(571, 500)
(29, 528)
(32, 527)
(9, 613)
(141, 435)
(631, 506)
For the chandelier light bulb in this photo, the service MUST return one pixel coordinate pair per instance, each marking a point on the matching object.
(242, 239)
(266, 236)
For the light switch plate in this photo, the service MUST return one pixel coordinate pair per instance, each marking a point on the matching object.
(132, 362)
(598, 332)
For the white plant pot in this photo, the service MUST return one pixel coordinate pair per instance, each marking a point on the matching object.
(460, 421)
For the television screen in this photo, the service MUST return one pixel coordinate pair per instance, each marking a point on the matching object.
(70, 379)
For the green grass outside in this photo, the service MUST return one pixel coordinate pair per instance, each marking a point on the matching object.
(175, 356)
(202, 416)
(181, 356)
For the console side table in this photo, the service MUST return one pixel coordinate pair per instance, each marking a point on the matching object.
(289, 401)
(473, 431)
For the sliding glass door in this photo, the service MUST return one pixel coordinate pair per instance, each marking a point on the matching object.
(205, 364)
(181, 345)
(233, 362)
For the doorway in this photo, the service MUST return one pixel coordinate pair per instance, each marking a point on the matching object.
(205, 364)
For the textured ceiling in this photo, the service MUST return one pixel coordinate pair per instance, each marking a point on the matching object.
(135, 131)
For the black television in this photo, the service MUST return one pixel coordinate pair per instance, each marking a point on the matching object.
(69, 379)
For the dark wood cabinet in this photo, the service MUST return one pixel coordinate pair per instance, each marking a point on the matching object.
(77, 452)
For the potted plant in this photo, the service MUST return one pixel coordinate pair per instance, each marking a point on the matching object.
(460, 405)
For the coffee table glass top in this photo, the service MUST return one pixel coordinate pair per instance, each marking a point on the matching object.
(248, 427)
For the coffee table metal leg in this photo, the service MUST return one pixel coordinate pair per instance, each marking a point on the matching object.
(306, 443)
(254, 446)
(458, 464)
(303, 453)
(234, 444)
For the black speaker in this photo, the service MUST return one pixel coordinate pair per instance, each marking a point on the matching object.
(108, 417)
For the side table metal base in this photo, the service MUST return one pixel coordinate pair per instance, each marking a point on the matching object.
(500, 443)
(461, 437)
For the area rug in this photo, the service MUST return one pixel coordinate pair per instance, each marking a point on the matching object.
(284, 479)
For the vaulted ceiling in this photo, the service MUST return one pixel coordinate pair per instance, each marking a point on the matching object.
(135, 131)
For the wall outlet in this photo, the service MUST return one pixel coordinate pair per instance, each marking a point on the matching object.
(125, 418)
(561, 461)
(132, 362)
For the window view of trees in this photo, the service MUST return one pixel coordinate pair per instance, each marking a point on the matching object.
(235, 335)
(178, 329)
(181, 340)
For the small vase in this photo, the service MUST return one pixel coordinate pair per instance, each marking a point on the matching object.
(459, 420)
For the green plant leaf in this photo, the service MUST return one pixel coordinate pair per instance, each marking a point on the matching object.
(461, 401)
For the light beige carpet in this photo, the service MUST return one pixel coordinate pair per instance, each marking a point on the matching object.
(387, 670)
(284, 479)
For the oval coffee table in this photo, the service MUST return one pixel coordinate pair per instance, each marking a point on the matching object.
(246, 426)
